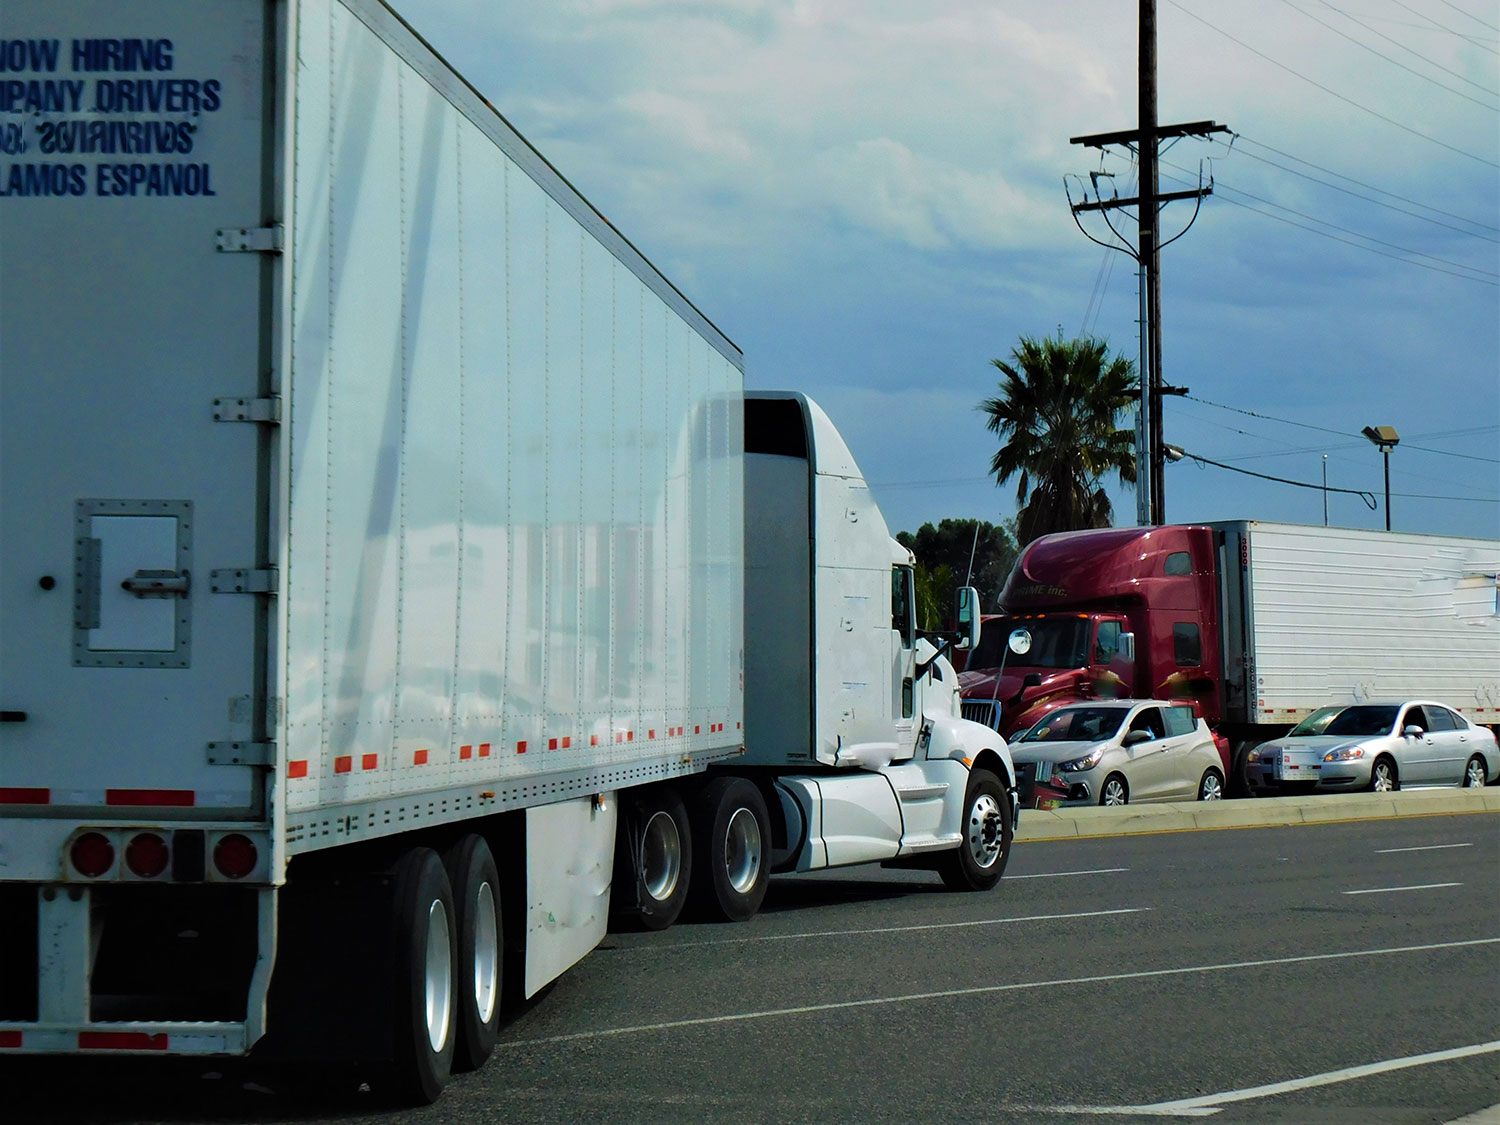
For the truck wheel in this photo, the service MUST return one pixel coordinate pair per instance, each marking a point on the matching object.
(653, 860)
(1383, 776)
(476, 910)
(1114, 791)
(988, 829)
(423, 976)
(733, 830)
(1211, 788)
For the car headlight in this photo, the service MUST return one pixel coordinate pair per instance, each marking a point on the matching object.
(1258, 753)
(1345, 754)
(1078, 765)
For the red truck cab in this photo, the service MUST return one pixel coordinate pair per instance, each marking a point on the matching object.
(1112, 613)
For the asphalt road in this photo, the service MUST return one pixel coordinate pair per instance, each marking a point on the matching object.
(1240, 974)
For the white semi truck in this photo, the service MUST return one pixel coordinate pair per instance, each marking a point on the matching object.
(394, 577)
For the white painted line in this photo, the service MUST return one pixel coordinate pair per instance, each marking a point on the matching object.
(985, 990)
(655, 946)
(1423, 848)
(1347, 1074)
(1060, 874)
(1390, 890)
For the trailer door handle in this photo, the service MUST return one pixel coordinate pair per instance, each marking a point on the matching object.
(157, 584)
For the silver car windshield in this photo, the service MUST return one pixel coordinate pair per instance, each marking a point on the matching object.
(1078, 724)
(1317, 722)
(1364, 720)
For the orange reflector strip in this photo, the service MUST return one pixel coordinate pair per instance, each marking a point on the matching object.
(343, 764)
(121, 1041)
(484, 749)
(369, 761)
(419, 758)
(179, 798)
(297, 768)
(25, 796)
(465, 753)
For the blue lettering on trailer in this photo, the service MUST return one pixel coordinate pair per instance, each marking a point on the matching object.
(41, 95)
(165, 180)
(121, 55)
(43, 179)
(39, 55)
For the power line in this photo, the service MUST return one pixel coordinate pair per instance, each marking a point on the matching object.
(1471, 15)
(1473, 40)
(1334, 93)
(1367, 497)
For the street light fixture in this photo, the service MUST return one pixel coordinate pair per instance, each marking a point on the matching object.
(1385, 439)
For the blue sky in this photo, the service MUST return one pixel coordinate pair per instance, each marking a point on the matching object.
(867, 196)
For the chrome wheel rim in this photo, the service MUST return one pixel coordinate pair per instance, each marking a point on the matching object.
(1474, 776)
(661, 856)
(985, 830)
(1114, 793)
(1384, 783)
(439, 976)
(1212, 790)
(486, 954)
(742, 850)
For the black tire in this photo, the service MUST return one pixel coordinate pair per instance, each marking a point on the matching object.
(481, 946)
(1475, 775)
(653, 860)
(988, 832)
(732, 833)
(423, 979)
(1114, 791)
(1383, 776)
(1211, 787)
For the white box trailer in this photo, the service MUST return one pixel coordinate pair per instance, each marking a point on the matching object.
(372, 558)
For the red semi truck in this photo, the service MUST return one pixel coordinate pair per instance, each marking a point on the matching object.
(1257, 624)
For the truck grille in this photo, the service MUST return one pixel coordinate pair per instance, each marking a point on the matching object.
(985, 711)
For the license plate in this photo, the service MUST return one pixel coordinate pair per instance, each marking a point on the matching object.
(1307, 771)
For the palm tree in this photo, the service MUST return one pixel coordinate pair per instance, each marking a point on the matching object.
(1056, 418)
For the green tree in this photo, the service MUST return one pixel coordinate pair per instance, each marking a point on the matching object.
(951, 544)
(1057, 419)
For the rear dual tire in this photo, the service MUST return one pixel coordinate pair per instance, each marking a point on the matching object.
(732, 832)
(425, 981)
(653, 860)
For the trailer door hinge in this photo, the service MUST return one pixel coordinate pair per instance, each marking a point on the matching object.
(231, 409)
(244, 580)
(250, 240)
(241, 753)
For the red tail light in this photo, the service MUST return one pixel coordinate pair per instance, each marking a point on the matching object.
(235, 856)
(92, 854)
(146, 855)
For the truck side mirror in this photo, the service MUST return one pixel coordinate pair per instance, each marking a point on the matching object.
(966, 611)
(1127, 647)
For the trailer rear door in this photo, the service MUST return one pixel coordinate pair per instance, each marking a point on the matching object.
(137, 273)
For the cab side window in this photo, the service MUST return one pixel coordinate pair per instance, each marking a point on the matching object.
(1178, 562)
(1187, 644)
(1107, 642)
(901, 604)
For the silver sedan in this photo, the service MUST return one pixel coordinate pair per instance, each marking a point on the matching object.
(1120, 751)
(1379, 746)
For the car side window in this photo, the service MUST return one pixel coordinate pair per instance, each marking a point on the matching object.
(1440, 718)
(1150, 721)
(1415, 718)
(1180, 721)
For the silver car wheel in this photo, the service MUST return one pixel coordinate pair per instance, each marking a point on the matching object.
(1114, 792)
(1474, 774)
(1211, 788)
(1383, 777)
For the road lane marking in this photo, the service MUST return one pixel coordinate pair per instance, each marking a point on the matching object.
(982, 990)
(1391, 890)
(1060, 874)
(654, 946)
(1423, 848)
(1211, 1103)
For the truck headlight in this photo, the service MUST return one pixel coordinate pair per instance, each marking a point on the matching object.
(1078, 765)
(1346, 754)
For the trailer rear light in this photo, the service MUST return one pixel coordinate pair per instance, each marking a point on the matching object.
(146, 855)
(92, 854)
(235, 856)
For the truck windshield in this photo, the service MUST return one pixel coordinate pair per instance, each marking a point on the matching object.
(1363, 720)
(1317, 722)
(1077, 724)
(1056, 642)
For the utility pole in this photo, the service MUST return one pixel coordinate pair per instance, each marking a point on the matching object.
(1146, 136)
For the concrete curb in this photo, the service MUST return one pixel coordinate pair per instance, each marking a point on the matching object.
(1265, 812)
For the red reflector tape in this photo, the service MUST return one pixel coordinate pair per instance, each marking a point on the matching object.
(10, 1039)
(297, 768)
(520, 747)
(25, 796)
(120, 1041)
(551, 744)
(180, 798)
(484, 749)
(343, 765)
(593, 740)
(465, 753)
(369, 761)
(419, 758)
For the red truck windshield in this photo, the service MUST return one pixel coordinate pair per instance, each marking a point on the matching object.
(1056, 642)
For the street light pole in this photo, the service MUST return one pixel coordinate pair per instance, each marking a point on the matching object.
(1385, 439)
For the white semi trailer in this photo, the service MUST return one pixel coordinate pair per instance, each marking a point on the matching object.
(378, 536)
